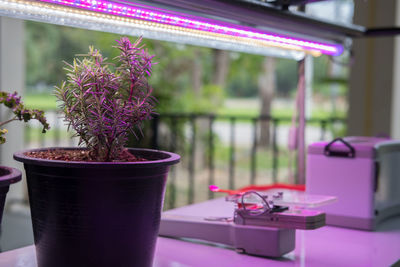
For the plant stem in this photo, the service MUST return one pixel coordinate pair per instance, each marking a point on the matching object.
(10, 120)
(131, 92)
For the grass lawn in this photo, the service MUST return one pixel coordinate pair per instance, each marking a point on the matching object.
(43, 101)
(317, 113)
(46, 101)
(34, 134)
(264, 157)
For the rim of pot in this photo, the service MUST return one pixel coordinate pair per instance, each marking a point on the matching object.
(168, 158)
(13, 176)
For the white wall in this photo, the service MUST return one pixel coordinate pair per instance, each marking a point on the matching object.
(374, 95)
(12, 78)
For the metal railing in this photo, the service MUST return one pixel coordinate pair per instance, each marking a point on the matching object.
(197, 138)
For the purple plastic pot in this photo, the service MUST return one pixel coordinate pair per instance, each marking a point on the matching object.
(96, 213)
(8, 176)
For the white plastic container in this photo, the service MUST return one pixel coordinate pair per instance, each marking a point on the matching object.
(364, 174)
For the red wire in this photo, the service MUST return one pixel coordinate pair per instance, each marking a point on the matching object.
(298, 187)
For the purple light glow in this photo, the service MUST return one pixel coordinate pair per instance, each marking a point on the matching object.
(198, 24)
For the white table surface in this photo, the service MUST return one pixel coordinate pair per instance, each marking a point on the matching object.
(327, 246)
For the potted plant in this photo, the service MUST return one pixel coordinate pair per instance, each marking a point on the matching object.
(10, 175)
(99, 205)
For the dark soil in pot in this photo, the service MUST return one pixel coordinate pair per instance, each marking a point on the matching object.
(95, 213)
(78, 154)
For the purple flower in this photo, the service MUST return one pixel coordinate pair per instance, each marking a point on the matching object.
(13, 101)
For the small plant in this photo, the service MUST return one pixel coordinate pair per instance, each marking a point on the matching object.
(103, 102)
(21, 113)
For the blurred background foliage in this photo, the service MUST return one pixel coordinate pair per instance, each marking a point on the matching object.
(189, 79)
(182, 79)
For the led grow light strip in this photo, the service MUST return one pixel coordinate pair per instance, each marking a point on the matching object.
(128, 16)
(180, 21)
(113, 8)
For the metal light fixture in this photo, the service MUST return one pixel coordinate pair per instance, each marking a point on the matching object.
(156, 23)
